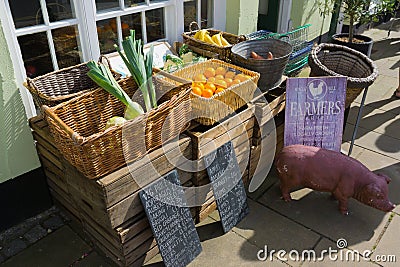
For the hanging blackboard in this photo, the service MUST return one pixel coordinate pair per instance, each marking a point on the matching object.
(172, 226)
(315, 111)
(223, 170)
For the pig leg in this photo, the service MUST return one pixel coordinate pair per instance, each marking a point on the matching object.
(285, 192)
(343, 202)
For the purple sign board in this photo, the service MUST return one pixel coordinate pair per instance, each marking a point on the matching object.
(315, 111)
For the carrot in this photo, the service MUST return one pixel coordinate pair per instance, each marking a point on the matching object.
(254, 55)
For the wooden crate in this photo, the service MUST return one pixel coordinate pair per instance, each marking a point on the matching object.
(262, 130)
(244, 131)
(108, 209)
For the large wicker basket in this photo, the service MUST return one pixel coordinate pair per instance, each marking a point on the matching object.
(61, 85)
(78, 128)
(204, 49)
(337, 60)
(271, 71)
(208, 111)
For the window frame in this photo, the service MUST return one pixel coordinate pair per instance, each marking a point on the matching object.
(86, 18)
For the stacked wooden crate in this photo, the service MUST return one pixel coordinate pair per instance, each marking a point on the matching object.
(109, 208)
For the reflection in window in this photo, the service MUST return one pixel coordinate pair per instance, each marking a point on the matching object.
(130, 3)
(25, 12)
(37, 61)
(66, 45)
(190, 12)
(155, 24)
(106, 4)
(29, 13)
(207, 13)
(132, 22)
(107, 32)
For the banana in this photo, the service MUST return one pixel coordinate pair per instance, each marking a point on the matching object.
(217, 39)
(197, 35)
(208, 39)
(224, 41)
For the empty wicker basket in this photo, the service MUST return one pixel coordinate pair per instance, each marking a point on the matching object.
(271, 71)
(337, 60)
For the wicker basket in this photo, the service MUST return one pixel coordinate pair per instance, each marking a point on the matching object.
(78, 128)
(61, 85)
(208, 111)
(337, 60)
(271, 71)
(204, 49)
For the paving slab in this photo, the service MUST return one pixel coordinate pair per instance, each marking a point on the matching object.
(382, 86)
(378, 120)
(355, 153)
(94, 260)
(318, 211)
(374, 141)
(14, 247)
(337, 257)
(61, 248)
(387, 252)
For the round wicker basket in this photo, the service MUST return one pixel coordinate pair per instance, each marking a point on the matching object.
(271, 71)
(337, 60)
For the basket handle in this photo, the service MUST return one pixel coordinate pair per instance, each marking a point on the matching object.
(100, 60)
(170, 76)
(74, 136)
(191, 25)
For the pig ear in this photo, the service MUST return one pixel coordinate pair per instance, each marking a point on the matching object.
(388, 180)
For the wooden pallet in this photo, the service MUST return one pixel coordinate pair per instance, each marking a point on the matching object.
(108, 209)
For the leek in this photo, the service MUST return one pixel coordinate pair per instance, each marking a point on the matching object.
(102, 76)
(140, 67)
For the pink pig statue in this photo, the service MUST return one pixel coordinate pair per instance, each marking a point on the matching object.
(329, 171)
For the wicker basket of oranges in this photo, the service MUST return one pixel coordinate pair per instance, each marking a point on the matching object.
(218, 89)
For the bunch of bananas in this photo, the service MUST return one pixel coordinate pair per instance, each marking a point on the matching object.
(216, 39)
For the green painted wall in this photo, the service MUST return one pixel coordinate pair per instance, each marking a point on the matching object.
(304, 12)
(241, 16)
(17, 150)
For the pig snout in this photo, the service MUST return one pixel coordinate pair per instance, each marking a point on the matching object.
(383, 205)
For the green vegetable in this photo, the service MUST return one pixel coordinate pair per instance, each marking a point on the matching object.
(102, 76)
(184, 49)
(115, 121)
(140, 67)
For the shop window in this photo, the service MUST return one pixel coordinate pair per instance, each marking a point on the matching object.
(108, 36)
(132, 22)
(66, 46)
(155, 24)
(199, 11)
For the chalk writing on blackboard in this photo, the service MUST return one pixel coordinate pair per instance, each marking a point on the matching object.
(223, 170)
(172, 226)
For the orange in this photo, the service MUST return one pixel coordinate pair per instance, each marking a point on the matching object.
(209, 72)
(228, 81)
(211, 80)
(219, 77)
(221, 83)
(210, 86)
(200, 78)
(241, 77)
(125, 26)
(236, 81)
(230, 74)
(219, 89)
(220, 71)
(200, 85)
(207, 93)
(196, 90)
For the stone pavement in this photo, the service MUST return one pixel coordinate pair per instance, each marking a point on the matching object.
(311, 222)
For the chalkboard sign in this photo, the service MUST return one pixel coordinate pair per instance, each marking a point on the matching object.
(172, 226)
(315, 111)
(223, 170)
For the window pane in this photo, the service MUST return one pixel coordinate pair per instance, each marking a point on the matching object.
(59, 10)
(155, 24)
(107, 31)
(190, 11)
(106, 4)
(206, 13)
(37, 61)
(130, 3)
(66, 45)
(25, 12)
(132, 22)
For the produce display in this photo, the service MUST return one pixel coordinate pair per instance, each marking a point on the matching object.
(216, 39)
(213, 81)
(186, 57)
(254, 55)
